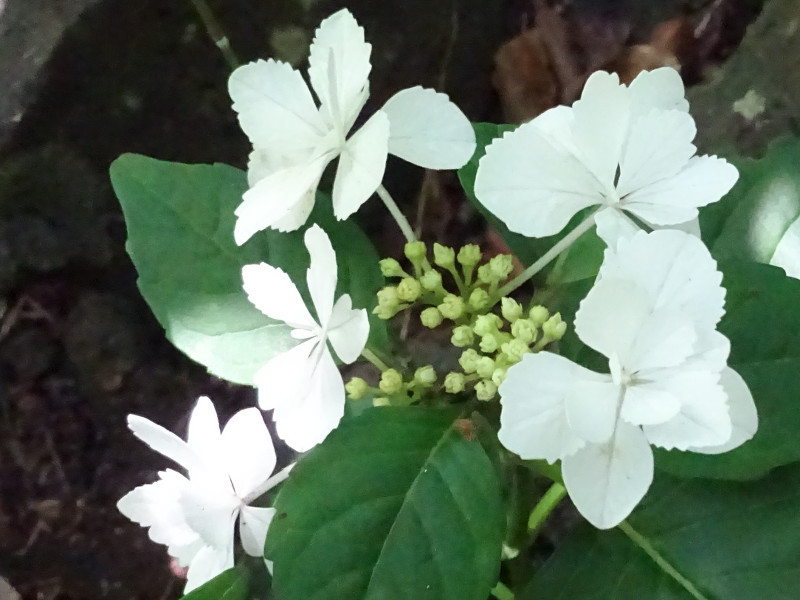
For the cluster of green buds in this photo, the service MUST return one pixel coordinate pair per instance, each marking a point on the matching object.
(393, 389)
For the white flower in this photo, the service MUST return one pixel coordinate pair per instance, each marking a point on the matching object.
(293, 140)
(303, 385)
(652, 313)
(195, 516)
(624, 149)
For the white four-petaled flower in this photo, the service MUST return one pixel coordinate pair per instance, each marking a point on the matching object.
(294, 140)
(303, 385)
(652, 313)
(626, 149)
(195, 515)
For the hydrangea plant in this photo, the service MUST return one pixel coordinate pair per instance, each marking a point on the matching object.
(642, 378)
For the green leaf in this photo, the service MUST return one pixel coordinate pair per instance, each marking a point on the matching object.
(725, 540)
(396, 503)
(762, 321)
(180, 222)
(233, 584)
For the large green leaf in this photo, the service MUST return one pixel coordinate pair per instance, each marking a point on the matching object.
(396, 503)
(233, 584)
(180, 222)
(724, 540)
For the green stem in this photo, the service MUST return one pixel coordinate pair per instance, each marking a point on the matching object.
(545, 506)
(215, 32)
(643, 543)
(374, 359)
(548, 256)
(501, 592)
(398, 216)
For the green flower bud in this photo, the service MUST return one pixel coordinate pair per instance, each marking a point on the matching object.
(425, 376)
(431, 317)
(511, 309)
(499, 376)
(515, 350)
(501, 266)
(485, 275)
(452, 307)
(469, 360)
(356, 388)
(384, 312)
(485, 367)
(539, 314)
(469, 255)
(387, 297)
(462, 336)
(443, 256)
(391, 268)
(391, 381)
(454, 383)
(431, 280)
(485, 390)
(524, 330)
(479, 299)
(554, 328)
(415, 251)
(489, 343)
(408, 290)
(381, 401)
(486, 324)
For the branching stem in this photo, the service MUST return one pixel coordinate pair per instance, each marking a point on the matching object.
(398, 216)
(545, 506)
(215, 32)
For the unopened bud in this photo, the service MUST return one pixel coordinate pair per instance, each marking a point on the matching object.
(554, 328)
(485, 390)
(454, 383)
(415, 251)
(381, 401)
(425, 376)
(431, 280)
(391, 381)
(462, 336)
(489, 343)
(485, 275)
(485, 367)
(501, 266)
(431, 317)
(356, 388)
(452, 307)
(469, 255)
(391, 268)
(408, 290)
(524, 330)
(539, 314)
(514, 350)
(486, 324)
(469, 360)
(444, 256)
(499, 376)
(479, 299)
(511, 309)
(388, 298)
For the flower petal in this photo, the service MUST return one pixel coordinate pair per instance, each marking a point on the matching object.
(591, 407)
(348, 330)
(534, 186)
(660, 88)
(607, 481)
(322, 273)
(165, 442)
(210, 512)
(614, 225)
(427, 129)
(647, 404)
(253, 524)
(744, 416)
(272, 292)
(361, 166)
(247, 451)
(284, 379)
(338, 67)
(207, 564)
(533, 421)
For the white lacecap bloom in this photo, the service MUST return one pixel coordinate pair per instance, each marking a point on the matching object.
(303, 385)
(195, 514)
(294, 139)
(626, 149)
(652, 313)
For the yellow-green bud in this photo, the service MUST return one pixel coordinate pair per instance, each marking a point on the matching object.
(381, 401)
(554, 328)
(415, 251)
(485, 367)
(387, 297)
(469, 255)
(431, 317)
(515, 350)
(469, 360)
(539, 314)
(425, 376)
(479, 299)
(452, 307)
(431, 280)
(511, 309)
(485, 390)
(499, 376)
(356, 388)
(485, 275)
(384, 312)
(391, 381)
(524, 330)
(444, 256)
(486, 324)
(391, 268)
(454, 383)
(408, 290)
(462, 336)
(501, 266)
(489, 343)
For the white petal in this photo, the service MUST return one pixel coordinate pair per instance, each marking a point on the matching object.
(427, 129)
(556, 125)
(647, 404)
(305, 423)
(703, 419)
(659, 145)
(361, 166)
(660, 88)
(165, 442)
(614, 225)
(210, 512)
(704, 179)
(348, 330)
(283, 380)
(207, 564)
(203, 434)
(533, 421)
(275, 107)
(253, 525)
(247, 451)
(532, 185)
(607, 481)
(272, 292)
(744, 416)
(280, 198)
(591, 408)
(338, 67)
(600, 124)
(322, 272)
